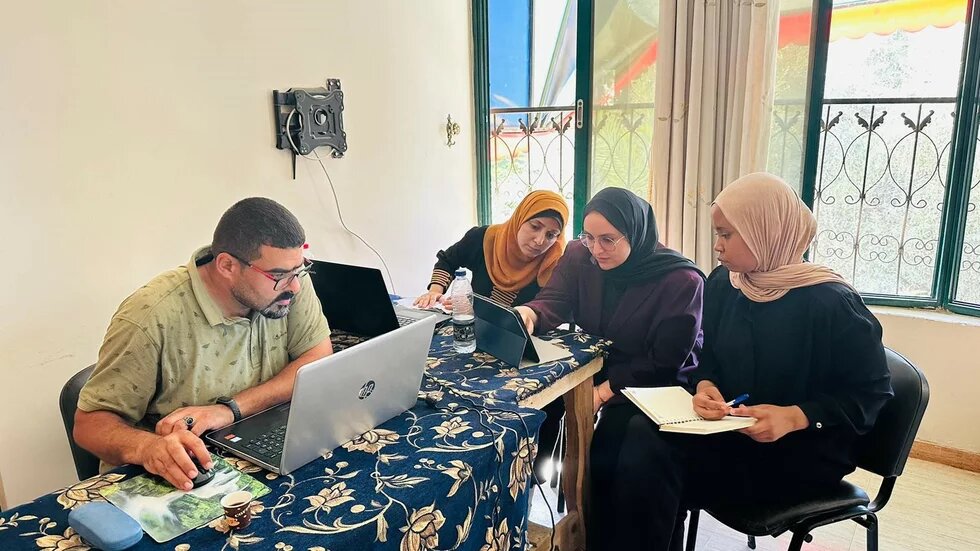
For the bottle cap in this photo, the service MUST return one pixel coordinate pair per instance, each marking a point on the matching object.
(460, 273)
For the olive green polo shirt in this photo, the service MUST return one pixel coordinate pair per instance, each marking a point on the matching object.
(170, 346)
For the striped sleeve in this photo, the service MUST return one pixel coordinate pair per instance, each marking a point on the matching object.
(463, 254)
(505, 298)
(440, 277)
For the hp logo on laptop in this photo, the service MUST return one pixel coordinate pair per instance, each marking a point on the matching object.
(366, 390)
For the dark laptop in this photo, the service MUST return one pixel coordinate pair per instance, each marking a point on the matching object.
(355, 299)
(500, 332)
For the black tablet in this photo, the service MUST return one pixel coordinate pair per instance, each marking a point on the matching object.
(500, 332)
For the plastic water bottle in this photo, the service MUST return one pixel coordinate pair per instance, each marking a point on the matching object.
(464, 328)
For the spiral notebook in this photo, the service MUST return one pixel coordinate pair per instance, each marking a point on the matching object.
(672, 409)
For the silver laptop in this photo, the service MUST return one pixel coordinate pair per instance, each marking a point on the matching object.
(335, 399)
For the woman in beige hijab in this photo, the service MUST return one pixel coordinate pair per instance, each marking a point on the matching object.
(763, 237)
(795, 338)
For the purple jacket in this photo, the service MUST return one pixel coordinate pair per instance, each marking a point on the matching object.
(656, 328)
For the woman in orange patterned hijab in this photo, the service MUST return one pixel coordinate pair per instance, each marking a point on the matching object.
(518, 251)
(510, 262)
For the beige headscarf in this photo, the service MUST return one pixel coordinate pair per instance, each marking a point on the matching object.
(778, 228)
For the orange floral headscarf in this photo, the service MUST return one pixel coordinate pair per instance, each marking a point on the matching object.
(509, 269)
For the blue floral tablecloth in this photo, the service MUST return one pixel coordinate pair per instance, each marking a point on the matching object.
(455, 475)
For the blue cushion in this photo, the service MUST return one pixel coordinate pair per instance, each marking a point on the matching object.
(105, 526)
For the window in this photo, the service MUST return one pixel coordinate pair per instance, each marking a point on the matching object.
(788, 126)
(531, 134)
(894, 198)
(626, 39)
(532, 139)
(891, 172)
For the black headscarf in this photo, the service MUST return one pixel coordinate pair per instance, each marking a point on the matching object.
(634, 218)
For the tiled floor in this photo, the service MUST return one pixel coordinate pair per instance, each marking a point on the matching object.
(934, 508)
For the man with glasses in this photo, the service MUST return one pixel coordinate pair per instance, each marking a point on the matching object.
(204, 345)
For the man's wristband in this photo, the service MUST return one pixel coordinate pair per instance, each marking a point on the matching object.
(232, 405)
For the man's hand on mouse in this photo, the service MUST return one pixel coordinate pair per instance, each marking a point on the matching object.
(203, 419)
(168, 457)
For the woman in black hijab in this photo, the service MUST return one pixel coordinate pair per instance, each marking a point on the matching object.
(619, 282)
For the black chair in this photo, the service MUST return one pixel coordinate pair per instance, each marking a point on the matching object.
(86, 464)
(882, 451)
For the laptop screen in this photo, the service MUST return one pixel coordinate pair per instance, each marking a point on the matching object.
(354, 298)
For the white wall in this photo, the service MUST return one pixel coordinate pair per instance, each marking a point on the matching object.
(129, 127)
(947, 350)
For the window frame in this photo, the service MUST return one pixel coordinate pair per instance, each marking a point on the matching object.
(953, 228)
(480, 15)
(959, 172)
(962, 156)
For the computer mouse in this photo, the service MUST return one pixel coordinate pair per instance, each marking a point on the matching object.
(203, 475)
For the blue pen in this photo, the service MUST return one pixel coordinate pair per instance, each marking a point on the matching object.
(738, 400)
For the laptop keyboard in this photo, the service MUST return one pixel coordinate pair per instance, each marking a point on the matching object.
(403, 320)
(269, 443)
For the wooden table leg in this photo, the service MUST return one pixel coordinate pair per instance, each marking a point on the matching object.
(3, 497)
(579, 423)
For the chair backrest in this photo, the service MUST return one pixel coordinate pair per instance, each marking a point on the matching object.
(885, 449)
(86, 464)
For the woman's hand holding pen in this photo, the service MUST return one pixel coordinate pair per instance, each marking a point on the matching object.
(709, 403)
(772, 422)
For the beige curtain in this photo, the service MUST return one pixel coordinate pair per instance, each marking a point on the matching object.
(713, 103)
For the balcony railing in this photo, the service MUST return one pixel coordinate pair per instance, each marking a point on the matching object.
(622, 141)
(530, 148)
(878, 196)
(880, 189)
(534, 148)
